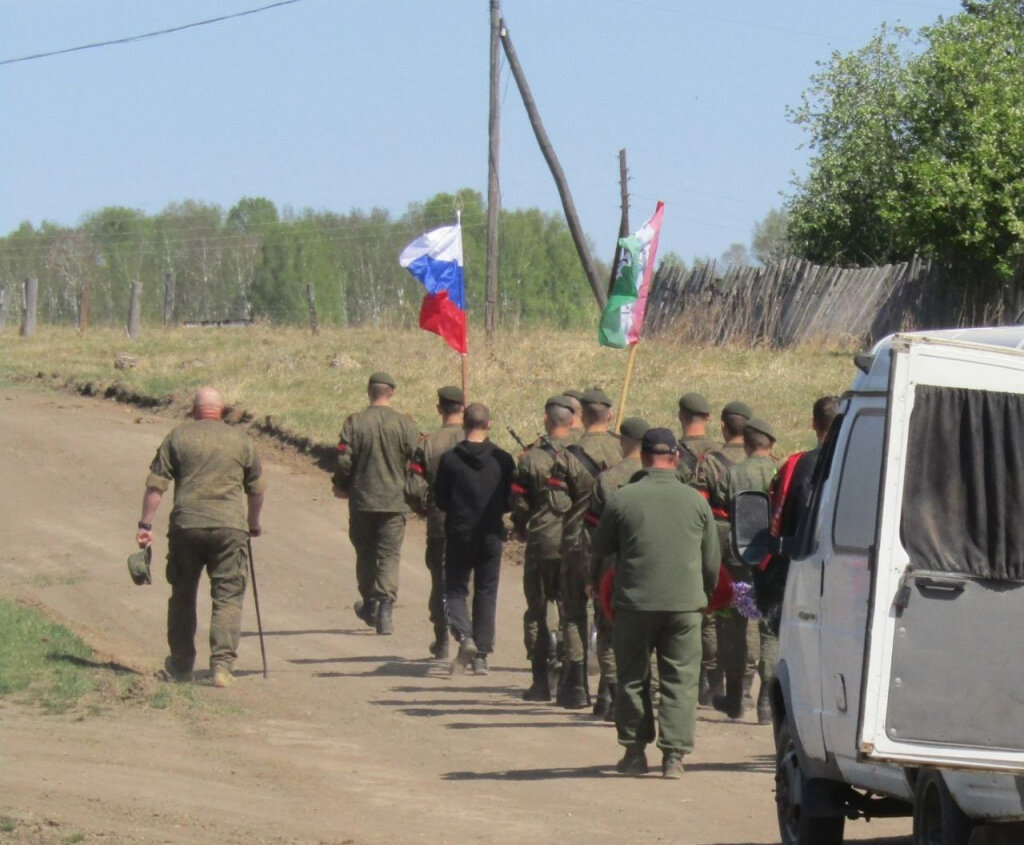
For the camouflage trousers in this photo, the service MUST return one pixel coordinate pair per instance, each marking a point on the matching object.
(574, 575)
(540, 586)
(377, 538)
(223, 553)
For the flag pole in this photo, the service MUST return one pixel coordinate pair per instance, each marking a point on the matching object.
(625, 385)
(465, 379)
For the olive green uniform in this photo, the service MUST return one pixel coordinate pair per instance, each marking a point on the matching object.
(739, 642)
(607, 483)
(213, 467)
(419, 490)
(691, 448)
(539, 510)
(663, 537)
(374, 450)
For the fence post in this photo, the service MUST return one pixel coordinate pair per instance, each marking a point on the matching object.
(28, 326)
(314, 326)
(168, 298)
(135, 310)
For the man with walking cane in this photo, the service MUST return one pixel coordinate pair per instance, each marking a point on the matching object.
(214, 468)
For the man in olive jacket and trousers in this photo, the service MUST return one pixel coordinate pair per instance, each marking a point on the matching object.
(667, 559)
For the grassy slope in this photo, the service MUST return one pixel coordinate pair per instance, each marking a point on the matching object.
(288, 374)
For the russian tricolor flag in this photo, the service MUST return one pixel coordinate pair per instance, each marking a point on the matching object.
(435, 258)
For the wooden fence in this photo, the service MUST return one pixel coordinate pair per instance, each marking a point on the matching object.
(793, 301)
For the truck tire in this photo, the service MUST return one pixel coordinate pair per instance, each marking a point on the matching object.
(807, 813)
(937, 818)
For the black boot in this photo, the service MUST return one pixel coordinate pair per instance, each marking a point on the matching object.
(732, 702)
(703, 689)
(564, 679)
(367, 611)
(385, 625)
(748, 683)
(603, 700)
(609, 715)
(439, 647)
(576, 696)
(540, 690)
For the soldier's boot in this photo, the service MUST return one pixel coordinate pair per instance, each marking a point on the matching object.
(609, 715)
(603, 700)
(576, 697)
(564, 680)
(748, 683)
(367, 611)
(703, 688)
(540, 689)
(385, 624)
(731, 704)
(439, 647)
(716, 680)
(764, 706)
(633, 762)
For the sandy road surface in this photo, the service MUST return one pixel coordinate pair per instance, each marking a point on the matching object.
(353, 738)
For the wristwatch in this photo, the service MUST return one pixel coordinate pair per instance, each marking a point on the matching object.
(145, 526)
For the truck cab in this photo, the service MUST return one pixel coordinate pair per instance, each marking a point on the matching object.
(900, 683)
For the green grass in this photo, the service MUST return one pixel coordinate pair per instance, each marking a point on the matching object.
(308, 384)
(44, 660)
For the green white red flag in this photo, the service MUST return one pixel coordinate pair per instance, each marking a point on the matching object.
(622, 320)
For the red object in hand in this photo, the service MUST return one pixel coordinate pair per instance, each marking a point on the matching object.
(604, 594)
(722, 595)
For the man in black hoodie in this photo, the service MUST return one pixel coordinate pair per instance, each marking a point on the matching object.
(472, 488)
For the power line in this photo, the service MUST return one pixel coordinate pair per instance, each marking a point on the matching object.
(130, 38)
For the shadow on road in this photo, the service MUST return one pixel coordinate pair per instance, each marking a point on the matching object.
(535, 774)
(762, 763)
(109, 665)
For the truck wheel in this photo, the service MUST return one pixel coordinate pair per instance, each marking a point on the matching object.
(937, 818)
(805, 809)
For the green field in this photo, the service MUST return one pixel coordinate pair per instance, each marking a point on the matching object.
(308, 384)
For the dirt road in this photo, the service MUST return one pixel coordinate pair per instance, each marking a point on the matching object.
(353, 738)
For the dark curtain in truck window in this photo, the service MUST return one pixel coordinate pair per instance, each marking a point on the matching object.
(963, 501)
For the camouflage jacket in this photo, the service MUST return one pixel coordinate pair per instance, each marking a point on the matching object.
(537, 508)
(419, 480)
(374, 450)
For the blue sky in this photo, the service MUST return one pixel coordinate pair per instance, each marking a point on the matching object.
(337, 105)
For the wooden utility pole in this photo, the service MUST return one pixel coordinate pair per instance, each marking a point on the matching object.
(168, 298)
(624, 219)
(28, 325)
(493, 190)
(568, 206)
(314, 323)
(135, 310)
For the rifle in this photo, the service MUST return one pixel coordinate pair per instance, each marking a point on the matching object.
(516, 437)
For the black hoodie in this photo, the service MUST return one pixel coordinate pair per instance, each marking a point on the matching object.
(472, 488)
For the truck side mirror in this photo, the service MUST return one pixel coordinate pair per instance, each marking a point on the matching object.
(751, 527)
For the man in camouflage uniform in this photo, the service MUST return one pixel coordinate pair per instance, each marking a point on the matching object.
(419, 491)
(665, 544)
(754, 473)
(577, 469)
(694, 415)
(631, 431)
(213, 466)
(538, 511)
(374, 450)
(711, 469)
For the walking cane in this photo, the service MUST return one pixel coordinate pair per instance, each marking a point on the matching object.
(256, 598)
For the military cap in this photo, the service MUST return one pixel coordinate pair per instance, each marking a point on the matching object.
(659, 441)
(634, 428)
(758, 424)
(596, 396)
(575, 394)
(450, 393)
(380, 377)
(138, 566)
(740, 408)
(694, 403)
(561, 401)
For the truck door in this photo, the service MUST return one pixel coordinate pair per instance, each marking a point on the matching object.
(943, 680)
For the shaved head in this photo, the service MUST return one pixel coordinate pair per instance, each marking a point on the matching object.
(208, 404)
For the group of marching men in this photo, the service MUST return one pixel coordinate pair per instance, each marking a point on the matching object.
(558, 493)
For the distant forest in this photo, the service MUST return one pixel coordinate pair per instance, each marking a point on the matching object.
(255, 262)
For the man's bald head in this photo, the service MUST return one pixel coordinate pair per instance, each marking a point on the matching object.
(208, 404)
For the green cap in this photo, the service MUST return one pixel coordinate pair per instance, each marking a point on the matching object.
(740, 408)
(561, 401)
(450, 393)
(634, 428)
(596, 396)
(758, 424)
(694, 403)
(575, 394)
(380, 377)
(138, 565)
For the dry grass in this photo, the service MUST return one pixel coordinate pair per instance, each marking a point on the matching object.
(308, 384)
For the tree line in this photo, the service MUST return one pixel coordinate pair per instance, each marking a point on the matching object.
(254, 262)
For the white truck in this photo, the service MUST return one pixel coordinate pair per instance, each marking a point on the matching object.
(900, 683)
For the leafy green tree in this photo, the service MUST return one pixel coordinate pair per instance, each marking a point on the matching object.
(735, 256)
(919, 152)
(770, 241)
